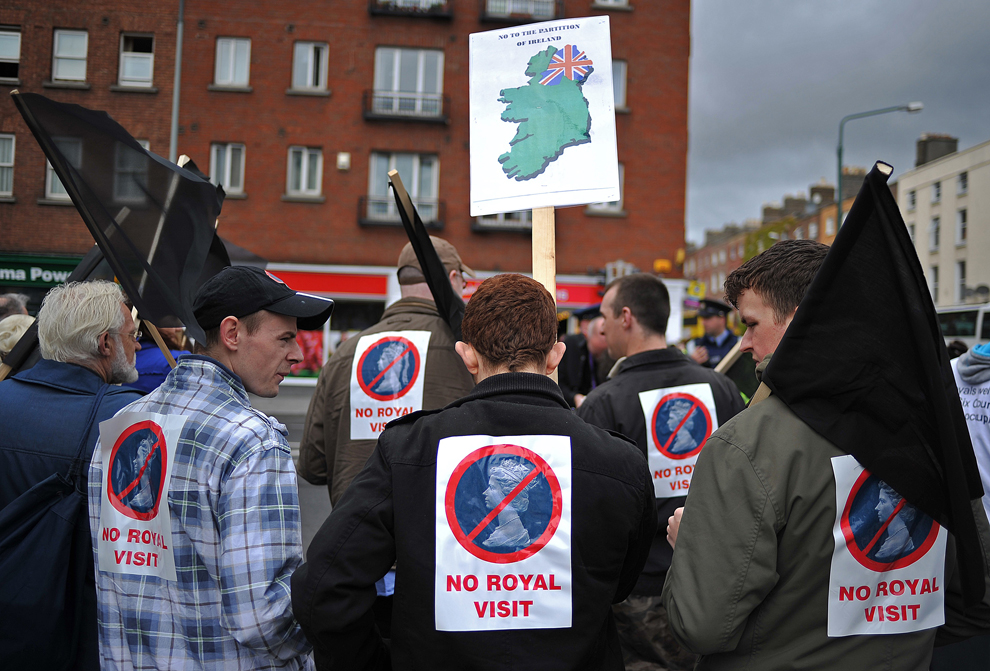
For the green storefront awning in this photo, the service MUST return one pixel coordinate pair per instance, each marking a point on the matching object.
(32, 270)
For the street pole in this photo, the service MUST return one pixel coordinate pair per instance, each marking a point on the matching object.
(909, 107)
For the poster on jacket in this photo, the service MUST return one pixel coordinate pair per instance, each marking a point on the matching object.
(542, 116)
(887, 568)
(503, 533)
(135, 534)
(386, 380)
(678, 422)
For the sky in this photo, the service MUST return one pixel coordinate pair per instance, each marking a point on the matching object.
(771, 79)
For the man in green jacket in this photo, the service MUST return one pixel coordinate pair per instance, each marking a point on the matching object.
(789, 554)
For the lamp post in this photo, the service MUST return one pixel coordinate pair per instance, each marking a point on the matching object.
(909, 107)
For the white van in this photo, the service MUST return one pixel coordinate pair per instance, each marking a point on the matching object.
(968, 323)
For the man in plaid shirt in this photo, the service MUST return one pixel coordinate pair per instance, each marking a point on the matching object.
(231, 495)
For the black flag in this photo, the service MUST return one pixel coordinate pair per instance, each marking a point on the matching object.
(154, 221)
(449, 305)
(863, 363)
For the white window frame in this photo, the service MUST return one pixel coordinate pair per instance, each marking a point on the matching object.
(934, 234)
(388, 99)
(310, 156)
(7, 167)
(829, 225)
(962, 222)
(57, 57)
(381, 207)
(517, 220)
(962, 183)
(6, 31)
(910, 228)
(961, 281)
(54, 190)
(314, 51)
(136, 57)
(813, 231)
(120, 171)
(619, 70)
(616, 206)
(229, 78)
(912, 200)
(544, 9)
(936, 192)
(615, 3)
(933, 283)
(233, 184)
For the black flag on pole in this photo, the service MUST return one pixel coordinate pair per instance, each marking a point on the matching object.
(154, 221)
(863, 363)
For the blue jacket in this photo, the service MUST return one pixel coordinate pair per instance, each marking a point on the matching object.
(43, 414)
(152, 366)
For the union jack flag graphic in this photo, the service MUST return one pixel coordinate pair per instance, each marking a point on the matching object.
(569, 62)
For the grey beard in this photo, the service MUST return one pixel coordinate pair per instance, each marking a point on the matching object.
(122, 372)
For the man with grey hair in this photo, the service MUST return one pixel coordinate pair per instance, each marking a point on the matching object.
(13, 304)
(49, 422)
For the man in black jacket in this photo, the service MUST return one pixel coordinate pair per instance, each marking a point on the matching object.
(513, 525)
(669, 405)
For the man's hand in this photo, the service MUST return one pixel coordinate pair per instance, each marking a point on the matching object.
(578, 400)
(699, 355)
(673, 524)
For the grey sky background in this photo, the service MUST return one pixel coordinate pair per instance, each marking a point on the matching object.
(771, 79)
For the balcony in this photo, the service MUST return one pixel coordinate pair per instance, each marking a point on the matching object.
(521, 11)
(437, 9)
(430, 107)
(382, 211)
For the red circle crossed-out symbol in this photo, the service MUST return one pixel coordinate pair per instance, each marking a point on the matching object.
(466, 538)
(159, 448)
(663, 446)
(368, 386)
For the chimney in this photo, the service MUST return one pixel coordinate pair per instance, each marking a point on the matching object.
(934, 145)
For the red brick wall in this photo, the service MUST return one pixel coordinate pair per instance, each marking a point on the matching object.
(654, 38)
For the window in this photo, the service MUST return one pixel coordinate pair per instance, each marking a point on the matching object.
(305, 171)
(613, 207)
(69, 62)
(912, 200)
(6, 165)
(309, 66)
(961, 227)
(740, 250)
(619, 84)
(534, 8)
(799, 233)
(813, 230)
(10, 53)
(721, 256)
(137, 60)
(130, 174)
(227, 167)
(71, 148)
(962, 183)
(911, 231)
(408, 82)
(420, 175)
(829, 225)
(933, 234)
(233, 65)
(617, 3)
(732, 253)
(520, 220)
(936, 192)
(713, 280)
(960, 281)
(933, 279)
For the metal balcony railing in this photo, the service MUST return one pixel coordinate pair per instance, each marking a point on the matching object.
(382, 211)
(399, 105)
(428, 8)
(521, 10)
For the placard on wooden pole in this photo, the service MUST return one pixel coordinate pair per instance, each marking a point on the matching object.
(545, 253)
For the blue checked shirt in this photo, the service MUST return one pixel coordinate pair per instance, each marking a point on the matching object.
(235, 533)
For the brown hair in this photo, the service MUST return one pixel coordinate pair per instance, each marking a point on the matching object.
(252, 323)
(781, 275)
(511, 321)
(647, 299)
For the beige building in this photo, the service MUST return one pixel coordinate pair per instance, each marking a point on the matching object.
(945, 202)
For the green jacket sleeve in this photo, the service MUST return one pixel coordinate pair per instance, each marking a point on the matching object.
(724, 564)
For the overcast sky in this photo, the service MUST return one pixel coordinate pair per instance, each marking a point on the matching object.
(770, 80)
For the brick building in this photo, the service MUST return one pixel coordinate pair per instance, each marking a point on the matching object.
(299, 110)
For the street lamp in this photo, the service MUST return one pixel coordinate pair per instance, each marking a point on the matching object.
(910, 108)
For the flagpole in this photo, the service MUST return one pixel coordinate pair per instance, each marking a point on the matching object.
(544, 253)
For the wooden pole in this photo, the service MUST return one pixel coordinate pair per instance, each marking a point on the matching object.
(161, 342)
(545, 253)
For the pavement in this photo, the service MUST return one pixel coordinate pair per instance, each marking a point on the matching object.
(289, 407)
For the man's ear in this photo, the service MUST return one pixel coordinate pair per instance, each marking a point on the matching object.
(230, 332)
(626, 317)
(468, 356)
(103, 345)
(554, 357)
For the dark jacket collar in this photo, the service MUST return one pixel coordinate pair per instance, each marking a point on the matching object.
(65, 376)
(528, 384)
(650, 357)
(415, 305)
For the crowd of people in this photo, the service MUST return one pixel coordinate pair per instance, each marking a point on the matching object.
(636, 515)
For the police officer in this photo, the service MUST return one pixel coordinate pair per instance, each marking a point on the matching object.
(712, 347)
(513, 525)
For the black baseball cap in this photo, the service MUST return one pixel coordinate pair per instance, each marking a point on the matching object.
(238, 291)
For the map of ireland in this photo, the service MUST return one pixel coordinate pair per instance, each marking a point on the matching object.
(551, 111)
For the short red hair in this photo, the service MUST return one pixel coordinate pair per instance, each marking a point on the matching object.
(511, 321)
